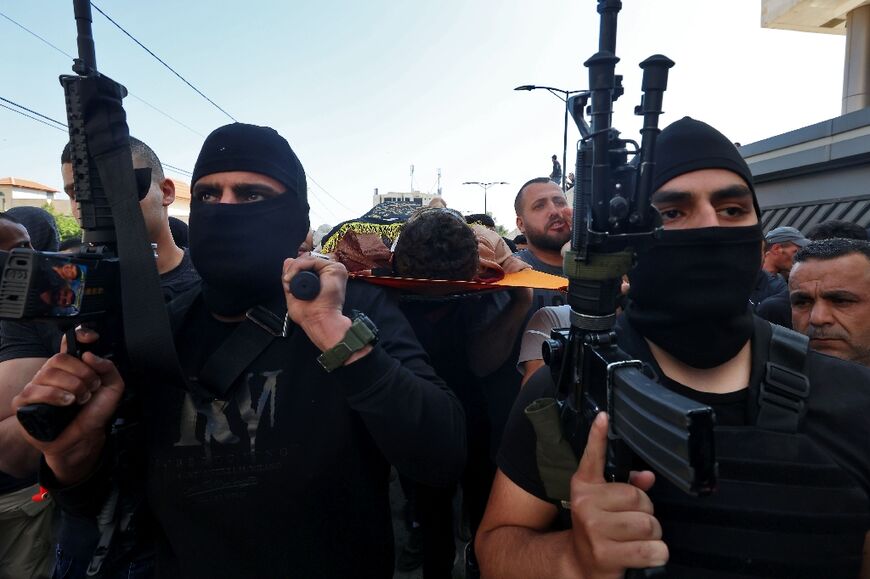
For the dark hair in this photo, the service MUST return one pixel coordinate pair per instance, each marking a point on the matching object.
(481, 218)
(518, 200)
(436, 245)
(139, 150)
(833, 248)
(521, 239)
(837, 228)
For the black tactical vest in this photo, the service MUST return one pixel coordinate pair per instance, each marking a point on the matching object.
(783, 507)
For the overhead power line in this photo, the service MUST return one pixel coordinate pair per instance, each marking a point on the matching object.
(29, 31)
(71, 57)
(177, 169)
(161, 61)
(328, 193)
(62, 126)
(38, 120)
(35, 113)
(168, 116)
(157, 109)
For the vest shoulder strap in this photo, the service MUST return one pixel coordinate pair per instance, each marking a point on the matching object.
(242, 347)
(784, 387)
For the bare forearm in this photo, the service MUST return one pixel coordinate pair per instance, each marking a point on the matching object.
(523, 553)
(17, 457)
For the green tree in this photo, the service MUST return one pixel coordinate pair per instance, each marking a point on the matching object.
(67, 226)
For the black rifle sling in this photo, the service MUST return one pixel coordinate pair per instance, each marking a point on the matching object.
(784, 387)
(147, 334)
(242, 347)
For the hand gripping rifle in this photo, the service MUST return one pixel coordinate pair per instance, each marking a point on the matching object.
(112, 282)
(671, 434)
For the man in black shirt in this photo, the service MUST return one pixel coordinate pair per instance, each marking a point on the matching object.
(780, 483)
(278, 466)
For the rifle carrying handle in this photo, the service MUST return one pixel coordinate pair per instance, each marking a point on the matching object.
(46, 422)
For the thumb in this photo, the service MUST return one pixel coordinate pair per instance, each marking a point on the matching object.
(108, 372)
(591, 468)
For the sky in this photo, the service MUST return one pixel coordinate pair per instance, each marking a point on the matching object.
(364, 90)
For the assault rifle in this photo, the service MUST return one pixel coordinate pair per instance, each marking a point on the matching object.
(112, 282)
(613, 219)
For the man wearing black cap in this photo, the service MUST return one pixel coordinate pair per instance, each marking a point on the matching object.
(274, 460)
(792, 453)
(780, 245)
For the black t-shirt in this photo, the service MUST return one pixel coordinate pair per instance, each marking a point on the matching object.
(835, 420)
(288, 475)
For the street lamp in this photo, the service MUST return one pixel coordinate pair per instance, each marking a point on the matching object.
(562, 95)
(485, 187)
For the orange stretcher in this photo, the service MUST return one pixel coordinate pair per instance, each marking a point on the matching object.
(438, 287)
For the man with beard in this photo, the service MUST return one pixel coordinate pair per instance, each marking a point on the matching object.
(282, 468)
(544, 217)
(791, 436)
(830, 297)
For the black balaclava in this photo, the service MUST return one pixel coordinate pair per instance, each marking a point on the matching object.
(690, 291)
(40, 226)
(239, 249)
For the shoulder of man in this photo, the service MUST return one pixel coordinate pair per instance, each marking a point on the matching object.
(527, 256)
(776, 282)
(179, 279)
(837, 411)
(838, 379)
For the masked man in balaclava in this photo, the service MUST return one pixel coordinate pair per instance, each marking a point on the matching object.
(792, 433)
(284, 470)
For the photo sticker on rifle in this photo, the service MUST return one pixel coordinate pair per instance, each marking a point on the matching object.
(66, 287)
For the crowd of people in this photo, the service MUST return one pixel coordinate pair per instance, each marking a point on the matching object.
(272, 457)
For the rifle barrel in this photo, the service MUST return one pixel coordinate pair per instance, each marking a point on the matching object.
(87, 60)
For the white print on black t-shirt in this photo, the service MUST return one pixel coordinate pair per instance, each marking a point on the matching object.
(217, 427)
